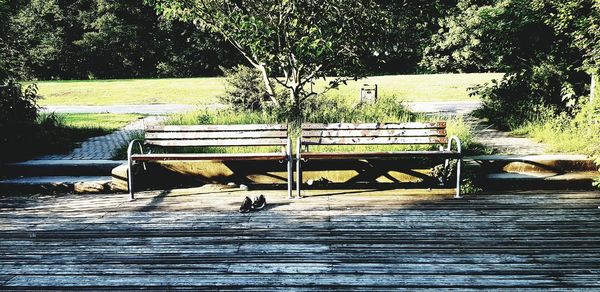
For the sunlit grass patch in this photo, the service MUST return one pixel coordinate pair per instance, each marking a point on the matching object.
(204, 90)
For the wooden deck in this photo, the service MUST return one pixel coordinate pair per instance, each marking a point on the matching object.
(334, 239)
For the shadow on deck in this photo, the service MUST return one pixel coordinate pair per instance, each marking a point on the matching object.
(371, 239)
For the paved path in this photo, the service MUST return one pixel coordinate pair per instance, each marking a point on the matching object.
(105, 147)
(485, 133)
(451, 108)
(503, 142)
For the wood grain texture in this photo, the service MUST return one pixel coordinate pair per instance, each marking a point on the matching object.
(209, 156)
(217, 128)
(373, 140)
(216, 142)
(373, 126)
(375, 133)
(332, 239)
(216, 135)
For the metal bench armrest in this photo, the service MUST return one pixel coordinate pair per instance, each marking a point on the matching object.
(130, 165)
(458, 162)
(456, 142)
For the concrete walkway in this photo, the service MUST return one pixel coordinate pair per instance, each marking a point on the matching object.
(450, 108)
(502, 142)
(105, 147)
(485, 133)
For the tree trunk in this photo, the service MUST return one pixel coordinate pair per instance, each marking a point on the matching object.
(268, 85)
(295, 112)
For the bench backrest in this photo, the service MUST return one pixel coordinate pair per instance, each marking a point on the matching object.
(374, 134)
(217, 135)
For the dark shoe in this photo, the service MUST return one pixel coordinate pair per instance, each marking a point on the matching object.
(259, 202)
(246, 205)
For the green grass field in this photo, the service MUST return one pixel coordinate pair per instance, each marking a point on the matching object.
(107, 122)
(437, 87)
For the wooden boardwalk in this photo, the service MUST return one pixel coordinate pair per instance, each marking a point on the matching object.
(343, 239)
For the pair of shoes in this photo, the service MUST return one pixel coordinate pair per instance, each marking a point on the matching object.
(253, 205)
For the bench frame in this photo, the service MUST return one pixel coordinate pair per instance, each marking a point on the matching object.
(346, 139)
(187, 136)
(212, 135)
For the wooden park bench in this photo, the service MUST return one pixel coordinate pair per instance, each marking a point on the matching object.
(168, 137)
(376, 134)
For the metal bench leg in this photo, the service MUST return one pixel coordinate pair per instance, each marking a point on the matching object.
(458, 163)
(290, 168)
(130, 167)
(298, 170)
(130, 179)
(298, 178)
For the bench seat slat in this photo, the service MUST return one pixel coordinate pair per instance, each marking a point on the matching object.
(375, 133)
(208, 156)
(374, 140)
(386, 155)
(217, 128)
(216, 135)
(373, 126)
(217, 142)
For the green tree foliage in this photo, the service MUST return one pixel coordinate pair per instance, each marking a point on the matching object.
(78, 39)
(298, 40)
(497, 36)
(579, 21)
(41, 32)
(543, 46)
(118, 39)
(408, 33)
(192, 52)
(5, 11)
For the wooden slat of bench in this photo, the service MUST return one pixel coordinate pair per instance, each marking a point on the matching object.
(217, 142)
(373, 126)
(218, 128)
(375, 133)
(380, 155)
(374, 141)
(216, 135)
(209, 156)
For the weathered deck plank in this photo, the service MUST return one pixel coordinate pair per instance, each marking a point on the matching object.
(344, 239)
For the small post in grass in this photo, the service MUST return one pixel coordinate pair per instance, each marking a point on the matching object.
(368, 93)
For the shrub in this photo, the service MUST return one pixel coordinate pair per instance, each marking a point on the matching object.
(319, 109)
(18, 114)
(573, 134)
(244, 89)
(330, 110)
(525, 97)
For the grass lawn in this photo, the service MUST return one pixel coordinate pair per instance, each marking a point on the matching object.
(132, 91)
(428, 87)
(60, 133)
(106, 122)
(437, 87)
